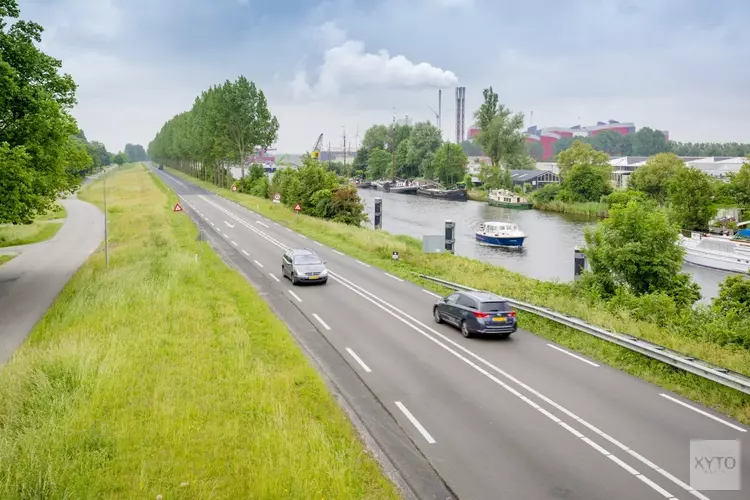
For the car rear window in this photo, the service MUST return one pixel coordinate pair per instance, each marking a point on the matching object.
(494, 307)
(306, 259)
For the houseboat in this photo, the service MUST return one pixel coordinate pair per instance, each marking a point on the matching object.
(458, 193)
(508, 199)
(500, 234)
(718, 252)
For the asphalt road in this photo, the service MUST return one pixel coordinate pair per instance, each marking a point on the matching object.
(32, 280)
(518, 419)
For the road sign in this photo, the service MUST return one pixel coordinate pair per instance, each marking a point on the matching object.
(297, 208)
(234, 188)
(277, 198)
(177, 208)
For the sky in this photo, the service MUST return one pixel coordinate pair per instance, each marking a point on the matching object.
(339, 66)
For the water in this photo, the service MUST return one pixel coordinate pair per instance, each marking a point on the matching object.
(547, 253)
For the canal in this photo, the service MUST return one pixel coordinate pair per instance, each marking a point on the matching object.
(547, 253)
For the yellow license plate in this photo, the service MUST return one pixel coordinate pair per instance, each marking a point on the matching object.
(313, 277)
(499, 318)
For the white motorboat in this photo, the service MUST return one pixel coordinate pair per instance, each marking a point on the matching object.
(500, 234)
(717, 252)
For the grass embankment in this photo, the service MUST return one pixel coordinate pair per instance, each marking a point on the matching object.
(39, 230)
(5, 258)
(477, 195)
(591, 209)
(376, 247)
(167, 376)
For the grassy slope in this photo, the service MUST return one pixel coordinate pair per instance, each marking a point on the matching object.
(592, 209)
(26, 234)
(58, 212)
(376, 248)
(166, 376)
(5, 258)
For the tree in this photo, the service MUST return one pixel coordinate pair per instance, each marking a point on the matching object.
(739, 186)
(38, 144)
(585, 173)
(135, 152)
(648, 142)
(121, 158)
(637, 247)
(613, 143)
(653, 177)
(404, 168)
(471, 149)
(450, 163)
(734, 296)
(501, 134)
(376, 136)
(535, 150)
(379, 164)
(690, 196)
(495, 177)
(424, 141)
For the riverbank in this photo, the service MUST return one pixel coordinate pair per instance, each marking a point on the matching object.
(167, 376)
(376, 247)
(477, 194)
(591, 209)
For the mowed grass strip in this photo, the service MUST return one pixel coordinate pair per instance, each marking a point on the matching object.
(26, 234)
(5, 258)
(376, 248)
(163, 376)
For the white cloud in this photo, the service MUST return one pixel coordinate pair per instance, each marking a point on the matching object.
(330, 34)
(348, 67)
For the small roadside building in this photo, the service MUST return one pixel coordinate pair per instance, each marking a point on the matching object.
(535, 178)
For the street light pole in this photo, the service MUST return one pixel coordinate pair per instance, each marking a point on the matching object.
(106, 234)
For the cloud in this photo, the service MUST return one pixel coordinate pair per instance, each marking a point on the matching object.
(347, 67)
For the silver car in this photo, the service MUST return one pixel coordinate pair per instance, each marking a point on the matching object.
(302, 265)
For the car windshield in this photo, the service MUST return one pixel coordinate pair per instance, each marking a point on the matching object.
(306, 259)
(494, 307)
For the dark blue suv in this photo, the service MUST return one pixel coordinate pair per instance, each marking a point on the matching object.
(482, 313)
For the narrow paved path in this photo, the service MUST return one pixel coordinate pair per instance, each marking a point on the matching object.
(32, 280)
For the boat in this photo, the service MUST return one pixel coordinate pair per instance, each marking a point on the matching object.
(396, 186)
(724, 253)
(508, 199)
(458, 193)
(500, 234)
(363, 183)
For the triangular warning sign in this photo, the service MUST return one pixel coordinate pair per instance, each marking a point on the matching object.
(297, 207)
(177, 208)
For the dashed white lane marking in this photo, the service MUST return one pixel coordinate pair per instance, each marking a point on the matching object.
(262, 224)
(579, 358)
(415, 422)
(259, 264)
(336, 251)
(704, 413)
(225, 235)
(362, 263)
(229, 225)
(234, 243)
(321, 322)
(296, 297)
(431, 293)
(394, 277)
(274, 277)
(245, 252)
(358, 360)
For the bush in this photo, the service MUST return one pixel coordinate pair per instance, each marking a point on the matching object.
(547, 193)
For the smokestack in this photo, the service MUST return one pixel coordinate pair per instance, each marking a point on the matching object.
(460, 113)
(440, 112)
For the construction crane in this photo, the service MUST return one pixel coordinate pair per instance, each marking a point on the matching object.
(315, 154)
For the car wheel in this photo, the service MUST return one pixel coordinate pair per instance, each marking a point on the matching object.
(436, 315)
(294, 280)
(465, 330)
(324, 281)
(283, 271)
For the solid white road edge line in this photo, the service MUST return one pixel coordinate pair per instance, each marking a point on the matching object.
(358, 360)
(394, 277)
(295, 296)
(318, 243)
(259, 222)
(258, 264)
(245, 252)
(579, 358)
(704, 413)
(360, 262)
(375, 300)
(415, 422)
(321, 322)
(336, 251)
(274, 277)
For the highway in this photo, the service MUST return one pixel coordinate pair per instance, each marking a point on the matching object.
(517, 419)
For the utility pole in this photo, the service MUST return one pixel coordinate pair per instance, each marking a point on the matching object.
(106, 233)
(329, 155)
(344, 147)
(393, 151)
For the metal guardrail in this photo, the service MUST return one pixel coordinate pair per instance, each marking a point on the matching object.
(654, 351)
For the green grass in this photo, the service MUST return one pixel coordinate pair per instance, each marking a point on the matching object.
(376, 247)
(57, 212)
(12, 235)
(5, 258)
(163, 376)
(591, 209)
(477, 195)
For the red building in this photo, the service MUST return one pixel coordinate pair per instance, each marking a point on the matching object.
(548, 136)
